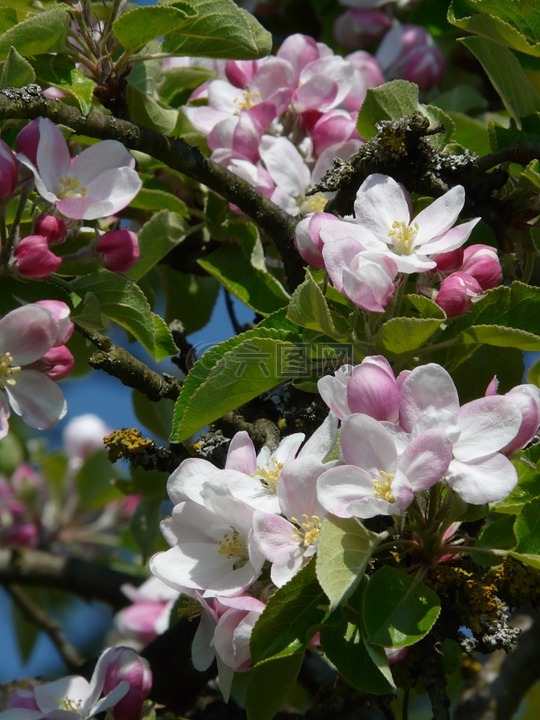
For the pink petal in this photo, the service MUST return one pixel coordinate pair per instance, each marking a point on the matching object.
(241, 454)
(426, 459)
(366, 444)
(338, 487)
(429, 389)
(28, 332)
(483, 481)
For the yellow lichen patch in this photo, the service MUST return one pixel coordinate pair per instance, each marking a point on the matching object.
(126, 442)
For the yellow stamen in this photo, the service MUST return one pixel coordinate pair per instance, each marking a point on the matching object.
(70, 187)
(269, 476)
(307, 531)
(404, 236)
(313, 203)
(7, 370)
(233, 547)
(383, 487)
(249, 99)
(69, 704)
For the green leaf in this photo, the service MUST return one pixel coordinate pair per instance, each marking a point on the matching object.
(220, 30)
(363, 666)
(242, 270)
(177, 83)
(122, 301)
(95, 482)
(163, 232)
(60, 72)
(291, 617)
(309, 308)
(527, 528)
(16, 71)
(156, 416)
(344, 550)
(8, 18)
(145, 111)
(26, 632)
(11, 454)
(423, 307)
(527, 559)
(398, 99)
(528, 485)
(230, 375)
(398, 610)
(270, 684)
(190, 298)
(506, 75)
(404, 334)
(40, 33)
(515, 24)
(144, 525)
(154, 199)
(500, 336)
(135, 28)
(498, 535)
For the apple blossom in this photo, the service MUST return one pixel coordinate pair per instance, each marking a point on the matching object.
(126, 665)
(26, 335)
(97, 183)
(479, 430)
(378, 479)
(70, 698)
(51, 227)
(383, 224)
(212, 547)
(148, 615)
(117, 250)
(409, 52)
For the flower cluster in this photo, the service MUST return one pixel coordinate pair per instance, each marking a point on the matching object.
(279, 122)
(400, 437)
(368, 255)
(98, 183)
(120, 683)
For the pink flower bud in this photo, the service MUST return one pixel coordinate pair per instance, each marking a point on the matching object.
(51, 227)
(61, 312)
(358, 28)
(57, 363)
(25, 534)
(457, 293)
(408, 52)
(33, 258)
(335, 126)
(308, 240)
(126, 664)
(9, 171)
(449, 262)
(119, 250)
(372, 389)
(240, 72)
(482, 262)
(27, 140)
(527, 399)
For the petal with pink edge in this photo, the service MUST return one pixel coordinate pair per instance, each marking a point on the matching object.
(37, 399)
(487, 425)
(484, 481)
(366, 444)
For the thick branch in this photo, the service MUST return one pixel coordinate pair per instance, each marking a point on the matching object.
(29, 103)
(501, 686)
(89, 580)
(131, 372)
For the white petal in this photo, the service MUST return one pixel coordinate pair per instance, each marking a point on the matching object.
(439, 217)
(380, 202)
(338, 487)
(28, 332)
(366, 444)
(487, 425)
(484, 481)
(428, 393)
(96, 159)
(37, 399)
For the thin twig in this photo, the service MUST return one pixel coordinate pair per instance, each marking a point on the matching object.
(47, 624)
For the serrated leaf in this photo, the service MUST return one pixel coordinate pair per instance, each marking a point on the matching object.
(363, 666)
(16, 71)
(309, 308)
(230, 375)
(500, 336)
(269, 686)
(515, 24)
(423, 307)
(163, 232)
(135, 28)
(507, 76)
(527, 528)
(40, 33)
(220, 30)
(344, 550)
(122, 301)
(403, 334)
(291, 617)
(398, 610)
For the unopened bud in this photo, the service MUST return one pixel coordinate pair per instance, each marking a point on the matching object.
(457, 293)
(27, 141)
(51, 227)
(57, 363)
(126, 664)
(482, 262)
(118, 249)
(359, 28)
(33, 258)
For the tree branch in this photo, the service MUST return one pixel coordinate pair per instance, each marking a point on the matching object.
(49, 625)
(29, 102)
(89, 580)
(131, 371)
